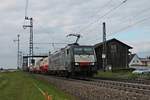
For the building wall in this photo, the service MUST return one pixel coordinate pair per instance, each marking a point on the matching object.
(117, 55)
(148, 63)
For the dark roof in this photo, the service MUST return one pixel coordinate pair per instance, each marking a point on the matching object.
(131, 56)
(108, 41)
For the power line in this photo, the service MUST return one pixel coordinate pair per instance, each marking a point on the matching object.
(99, 10)
(125, 28)
(49, 43)
(125, 19)
(129, 26)
(142, 11)
(134, 16)
(103, 16)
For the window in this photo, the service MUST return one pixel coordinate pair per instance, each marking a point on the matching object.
(113, 48)
(84, 50)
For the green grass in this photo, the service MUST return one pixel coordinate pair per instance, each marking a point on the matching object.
(20, 86)
(121, 75)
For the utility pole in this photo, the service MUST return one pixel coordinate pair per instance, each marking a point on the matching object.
(104, 52)
(18, 55)
(30, 40)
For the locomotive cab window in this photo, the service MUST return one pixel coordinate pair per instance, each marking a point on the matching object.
(88, 50)
(84, 50)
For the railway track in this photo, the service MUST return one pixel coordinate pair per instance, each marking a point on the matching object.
(134, 87)
(128, 87)
(136, 81)
(140, 90)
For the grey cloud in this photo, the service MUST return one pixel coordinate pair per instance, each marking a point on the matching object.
(54, 19)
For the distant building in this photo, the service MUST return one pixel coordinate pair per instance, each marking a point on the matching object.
(135, 60)
(117, 54)
(145, 61)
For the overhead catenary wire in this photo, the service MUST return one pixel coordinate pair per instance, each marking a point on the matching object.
(49, 43)
(140, 12)
(52, 44)
(99, 10)
(92, 16)
(111, 10)
(125, 19)
(125, 28)
(128, 19)
(129, 26)
(92, 22)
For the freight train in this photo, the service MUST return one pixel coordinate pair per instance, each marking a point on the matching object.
(69, 61)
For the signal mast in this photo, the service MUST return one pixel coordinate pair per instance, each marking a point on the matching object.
(31, 61)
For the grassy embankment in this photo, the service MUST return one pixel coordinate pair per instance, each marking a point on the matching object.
(20, 86)
(121, 75)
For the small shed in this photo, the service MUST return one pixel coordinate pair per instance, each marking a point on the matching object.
(117, 54)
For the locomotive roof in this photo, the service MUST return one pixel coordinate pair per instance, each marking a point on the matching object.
(81, 46)
(70, 46)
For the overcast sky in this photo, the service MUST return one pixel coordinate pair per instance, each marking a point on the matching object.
(54, 19)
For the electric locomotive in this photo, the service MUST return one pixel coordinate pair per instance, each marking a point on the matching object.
(73, 60)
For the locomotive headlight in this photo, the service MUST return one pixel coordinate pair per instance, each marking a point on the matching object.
(76, 63)
(92, 63)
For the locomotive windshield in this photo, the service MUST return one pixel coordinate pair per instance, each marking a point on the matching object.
(83, 50)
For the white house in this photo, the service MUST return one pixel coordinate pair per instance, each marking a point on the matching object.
(135, 61)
